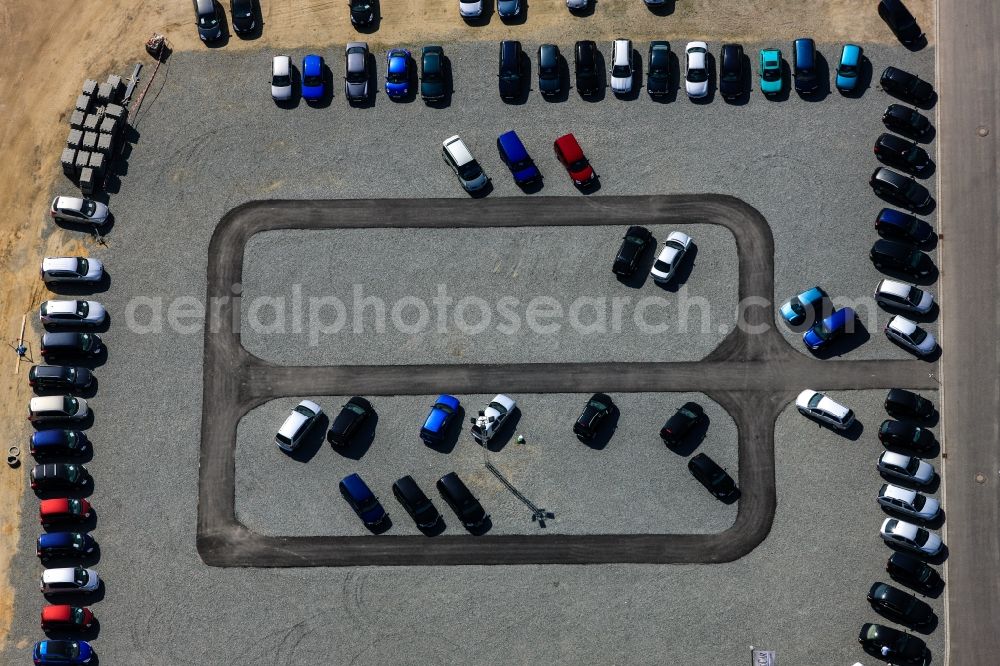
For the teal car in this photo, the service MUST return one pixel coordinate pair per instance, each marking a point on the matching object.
(797, 309)
(849, 68)
(771, 81)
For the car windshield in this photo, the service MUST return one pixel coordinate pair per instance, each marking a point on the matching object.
(360, 5)
(70, 405)
(357, 409)
(914, 192)
(661, 266)
(357, 76)
(687, 412)
(598, 405)
(89, 207)
(284, 440)
(918, 336)
(304, 411)
(82, 308)
(444, 408)
(470, 170)
(579, 165)
(822, 331)
(208, 20)
(281, 81)
(621, 71)
(396, 77)
(771, 73)
(796, 305)
(921, 538)
(76, 615)
(915, 259)
(919, 501)
(74, 506)
(86, 342)
(80, 576)
(913, 466)
(635, 240)
(523, 164)
(82, 266)
(815, 400)
(499, 408)
(913, 155)
(697, 75)
(367, 504)
(313, 80)
(850, 71)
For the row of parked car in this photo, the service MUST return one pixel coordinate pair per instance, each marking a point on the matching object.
(57, 450)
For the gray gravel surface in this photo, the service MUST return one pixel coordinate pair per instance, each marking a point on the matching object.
(418, 296)
(210, 138)
(634, 484)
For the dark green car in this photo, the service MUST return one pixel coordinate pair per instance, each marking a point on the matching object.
(432, 73)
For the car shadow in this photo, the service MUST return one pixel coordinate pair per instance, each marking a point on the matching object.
(683, 271)
(88, 634)
(822, 78)
(503, 436)
(312, 442)
(362, 439)
(326, 98)
(690, 443)
(846, 343)
(938, 522)
(605, 432)
(712, 82)
(665, 8)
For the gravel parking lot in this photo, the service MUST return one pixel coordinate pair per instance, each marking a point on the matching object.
(632, 483)
(210, 139)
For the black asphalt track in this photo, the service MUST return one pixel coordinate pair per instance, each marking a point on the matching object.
(752, 376)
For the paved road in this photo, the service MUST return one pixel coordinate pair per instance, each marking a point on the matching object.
(968, 51)
(753, 376)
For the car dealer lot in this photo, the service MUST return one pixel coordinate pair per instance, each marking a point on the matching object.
(214, 140)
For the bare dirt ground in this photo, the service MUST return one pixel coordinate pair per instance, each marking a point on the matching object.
(42, 74)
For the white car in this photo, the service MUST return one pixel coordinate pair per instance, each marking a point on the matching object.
(826, 410)
(487, 425)
(470, 9)
(909, 536)
(622, 70)
(908, 502)
(71, 269)
(75, 209)
(902, 296)
(671, 256)
(57, 408)
(297, 425)
(459, 158)
(907, 468)
(907, 334)
(71, 313)
(68, 579)
(696, 69)
(281, 78)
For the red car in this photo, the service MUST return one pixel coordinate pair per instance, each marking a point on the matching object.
(63, 510)
(571, 155)
(66, 617)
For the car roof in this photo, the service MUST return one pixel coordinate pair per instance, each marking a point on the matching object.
(409, 489)
(354, 45)
(705, 463)
(902, 325)
(851, 54)
(60, 263)
(830, 406)
(548, 55)
(622, 51)
(57, 612)
(902, 528)
(47, 403)
(504, 400)
(69, 203)
(893, 216)
(893, 141)
(282, 65)
(455, 486)
(311, 64)
(895, 459)
(55, 505)
(840, 317)
(901, 395)
(892, 248)
(60, 575)
(60, 306)
(51, 436)
(569, 147)
(61, 338)
(458, 150)
(888, 286)
(356, 487)
(512, 145)
(509, 48)
(449, 400)
(902, 494)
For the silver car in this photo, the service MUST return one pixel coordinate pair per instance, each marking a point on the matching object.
(71, 313)
(75, 209)
(356, 77)
(907, 468)
(908, 502)
(71, 269)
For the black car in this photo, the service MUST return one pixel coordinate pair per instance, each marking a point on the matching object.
(71, 344)
(416, 503)
(244, 20)
(352, 415)
(681, 423)
(905, 120)
(597, 409)
(899, 606)
(900, 20)
(908, 405)
(59, 476)
(906, 86)
(511, 73)
(59, 378)
(907, 155)
(899, 189)
(462, 501)
(585, 66)
(64, 545)
(731, 80)
(903, 648)
(901, 435)
(897, 224)
(549, 77)
(634, 245)
(432, 74)
(658, 69)
(911, 570)
(713, 477)
(362, 12)
(900, 257)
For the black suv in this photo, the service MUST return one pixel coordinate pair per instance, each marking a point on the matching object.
(908, 405)
(899, 189)
(900, 152)
(59, 378)
(905, 120)
(510, 73)
(549, 77)
(681, 423)
(731, 82)
(634, 245)
(597, 409)
(900, 257)
(899, 606)
(51, 476)
(352, 415)
(912, 571)
(242, 12)
(900, 435)
(362, 12)
(585, 65)
(416, 503)
(658, 69)
(804, 66)
(906, 86)
(900, 20)
(462, 501)
(713, 477)
(71, 344)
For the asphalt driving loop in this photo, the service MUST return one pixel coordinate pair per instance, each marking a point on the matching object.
(753, 377)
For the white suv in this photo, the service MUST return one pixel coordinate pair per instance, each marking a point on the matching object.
(817, 406)
(71, 313)
(621, 67)
(493, 417)
(71, 269)
(457, 156)
(297, 425)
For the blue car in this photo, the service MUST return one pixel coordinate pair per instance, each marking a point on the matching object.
(56, 442)
(397, 73)
(825, 332)
(363, 500)
(508, 8)
(849, 68)
(312, 78)
(62, 652)
(516, 157)
(795, 311)
(64, 544)
(440, 419)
